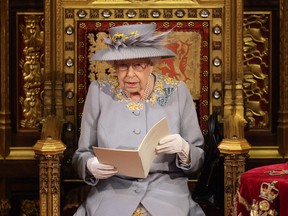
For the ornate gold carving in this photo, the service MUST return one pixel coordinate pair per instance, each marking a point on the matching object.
(196, 2)
(42, 176)
(31, 108)
(30, 207)
(4, 207)
(43, 204)
(126, 14)
(234, 126)
(234, 166)
(96, 9)
(49, 173)
(32, 70)
(59, 37)
(227, 40)
(238, 76)
(47, 96)
(234, 146)
(257, 68)
(49, 150)
(49, 176)
(59, 111)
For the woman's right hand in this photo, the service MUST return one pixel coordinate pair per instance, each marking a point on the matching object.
(99, 170)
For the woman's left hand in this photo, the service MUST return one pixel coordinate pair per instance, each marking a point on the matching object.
(172, 144)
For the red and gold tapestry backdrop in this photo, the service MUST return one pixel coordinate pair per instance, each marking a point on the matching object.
(189, 40)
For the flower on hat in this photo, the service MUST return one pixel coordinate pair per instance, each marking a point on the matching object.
(120, 39)
(134, 39)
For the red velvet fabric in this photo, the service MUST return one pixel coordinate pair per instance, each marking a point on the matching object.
(263, 191)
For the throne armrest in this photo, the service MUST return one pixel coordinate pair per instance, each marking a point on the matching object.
(48, 150)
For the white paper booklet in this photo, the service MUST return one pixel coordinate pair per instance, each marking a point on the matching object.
(135, 163)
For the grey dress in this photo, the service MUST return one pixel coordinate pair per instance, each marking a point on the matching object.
(111, 120)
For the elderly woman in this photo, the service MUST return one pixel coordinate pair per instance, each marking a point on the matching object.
(119, 112)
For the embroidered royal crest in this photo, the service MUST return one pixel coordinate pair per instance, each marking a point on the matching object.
(268, 191)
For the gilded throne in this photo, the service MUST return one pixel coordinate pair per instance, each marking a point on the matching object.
(36, 81)
(203, 62)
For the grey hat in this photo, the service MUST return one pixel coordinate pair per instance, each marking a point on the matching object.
(132, 42)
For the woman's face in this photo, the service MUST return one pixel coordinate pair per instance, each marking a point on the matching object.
(133, 75)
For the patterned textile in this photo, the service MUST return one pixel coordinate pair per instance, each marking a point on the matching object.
(189, 41)
(263, 191)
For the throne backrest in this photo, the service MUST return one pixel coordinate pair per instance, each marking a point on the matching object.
(189, 40)
(197, 39)
(74, 30)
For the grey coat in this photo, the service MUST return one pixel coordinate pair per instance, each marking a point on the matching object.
(111, 120)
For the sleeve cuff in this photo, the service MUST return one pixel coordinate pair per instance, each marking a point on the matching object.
(182, 165)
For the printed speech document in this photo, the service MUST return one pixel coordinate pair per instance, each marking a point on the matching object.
(135, 163)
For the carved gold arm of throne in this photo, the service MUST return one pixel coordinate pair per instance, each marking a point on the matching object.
(49, 150)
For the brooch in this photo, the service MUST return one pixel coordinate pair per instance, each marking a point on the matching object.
(164, 99)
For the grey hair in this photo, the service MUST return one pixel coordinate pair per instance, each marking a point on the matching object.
(155, 60)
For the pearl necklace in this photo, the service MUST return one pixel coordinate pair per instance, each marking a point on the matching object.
(148, 89)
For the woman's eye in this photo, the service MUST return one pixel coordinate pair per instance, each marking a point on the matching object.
(137, 65)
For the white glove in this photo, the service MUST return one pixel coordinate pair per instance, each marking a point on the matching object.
(99, 170)
(172, 144)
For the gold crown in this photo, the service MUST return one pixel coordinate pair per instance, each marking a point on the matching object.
(268, 191)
